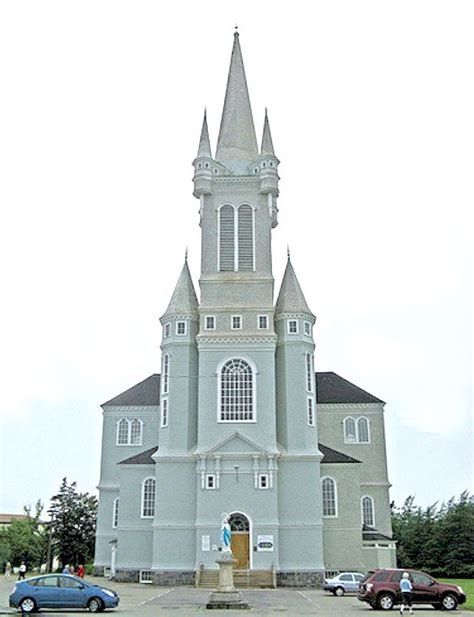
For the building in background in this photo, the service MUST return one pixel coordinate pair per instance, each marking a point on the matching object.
(238, 421)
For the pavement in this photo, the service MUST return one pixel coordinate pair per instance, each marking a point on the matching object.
(148, 600)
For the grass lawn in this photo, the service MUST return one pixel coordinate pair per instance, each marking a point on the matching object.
(468, 587)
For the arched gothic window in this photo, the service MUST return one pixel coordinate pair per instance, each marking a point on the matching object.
(329, 496)
(129, 432)
(368, 517)
(148, 498)
(236, 239)
(122, 432)
(236, 396)
(363, 430)
(115, 513)
(239, 522)
(350, 435)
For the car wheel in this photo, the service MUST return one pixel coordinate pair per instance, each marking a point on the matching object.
(94, 605)
(449, 602)
(339, 591)
(385, 602)
(27, 605)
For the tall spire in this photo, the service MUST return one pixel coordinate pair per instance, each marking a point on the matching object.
(184, 300)
(204, 142)
(291, 298)
(237, 143)
(267, 143)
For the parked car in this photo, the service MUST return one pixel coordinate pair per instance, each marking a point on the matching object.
(345, 582)
(60, 591)
(381, 589)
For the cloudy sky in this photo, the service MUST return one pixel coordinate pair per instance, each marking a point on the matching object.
(370, 104)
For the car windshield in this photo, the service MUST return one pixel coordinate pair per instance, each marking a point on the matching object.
(366, 577)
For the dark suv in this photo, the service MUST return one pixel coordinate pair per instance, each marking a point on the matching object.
(381, 589)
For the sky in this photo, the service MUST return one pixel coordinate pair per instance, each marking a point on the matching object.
(370, 105)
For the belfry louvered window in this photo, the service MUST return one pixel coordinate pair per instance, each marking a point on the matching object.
(227, 239)
(236, 392)
(236, 239)
(245, 238)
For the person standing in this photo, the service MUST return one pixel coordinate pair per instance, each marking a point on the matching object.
(22, 571)
(8, 570)
(407, 592)
(80, 571)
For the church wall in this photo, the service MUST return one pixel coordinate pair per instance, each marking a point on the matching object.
(343, 533)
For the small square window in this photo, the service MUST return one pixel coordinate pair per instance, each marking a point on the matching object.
(211, 481)
(167, 330)
(263, 322)
(236, 322)
(307, 328)
(210, 323)
(292, 326)
(181, 328)
(263, 481)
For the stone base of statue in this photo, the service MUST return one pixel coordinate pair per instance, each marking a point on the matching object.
(226, 595)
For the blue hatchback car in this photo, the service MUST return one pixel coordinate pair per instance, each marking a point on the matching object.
(60, 591)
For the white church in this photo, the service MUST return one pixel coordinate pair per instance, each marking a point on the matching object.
(239, 421)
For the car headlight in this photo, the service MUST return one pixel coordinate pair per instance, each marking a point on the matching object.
(109, 593)
(369, 586)
(14, 589)
(460, 589)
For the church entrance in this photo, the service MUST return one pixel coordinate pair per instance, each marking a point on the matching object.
(240, 540)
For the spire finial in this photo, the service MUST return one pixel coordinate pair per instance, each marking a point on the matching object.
(186, 255)
(236, 30)
(288, 251)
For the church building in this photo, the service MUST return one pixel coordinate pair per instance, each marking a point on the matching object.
(238, 422)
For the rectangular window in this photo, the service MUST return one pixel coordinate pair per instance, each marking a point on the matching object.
(263, 322)
(236, 322)
(263, 481)
(307, 328)
(210, 322)
(181, 328)
(146, 576)
(167, 330)
(309, 373)
(211, 481)
(310, 411)
(164, 412)
(292, 326)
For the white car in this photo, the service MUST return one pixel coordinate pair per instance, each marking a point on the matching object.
(345, 582)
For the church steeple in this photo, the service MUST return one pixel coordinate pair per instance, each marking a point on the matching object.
(267, 143)
(291, 298)
(204, 149)
(183, 302)
(237, 142)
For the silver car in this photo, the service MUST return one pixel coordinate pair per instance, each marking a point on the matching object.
(345, 582)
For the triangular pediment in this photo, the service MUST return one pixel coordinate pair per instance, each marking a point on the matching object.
(237, 444)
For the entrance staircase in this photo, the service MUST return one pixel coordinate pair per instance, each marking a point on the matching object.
(208, 578)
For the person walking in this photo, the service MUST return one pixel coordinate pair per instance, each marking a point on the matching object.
(407, 592)
(22, 571)
(80, 571)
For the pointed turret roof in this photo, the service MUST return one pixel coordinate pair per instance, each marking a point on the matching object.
(267, 143)
(291, 298)
(237, 143)
(184, 299)
(204, 142)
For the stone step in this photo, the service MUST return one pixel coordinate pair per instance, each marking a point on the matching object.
(208, 579)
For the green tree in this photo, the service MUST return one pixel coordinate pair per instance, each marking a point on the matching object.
(24, 539)
(73, 523)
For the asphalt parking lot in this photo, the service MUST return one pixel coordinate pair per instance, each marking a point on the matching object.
(147, 600)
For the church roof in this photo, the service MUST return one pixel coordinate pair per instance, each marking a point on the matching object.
(237, 142)
(331, 388)
(370, 533)
(334, 456)
(144, 458)
(267, 142)
(184, 299)
(145, 393)
(291, 298)
(204, 142)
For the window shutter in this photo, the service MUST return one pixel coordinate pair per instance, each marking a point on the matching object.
(226, 239)
(245, 235)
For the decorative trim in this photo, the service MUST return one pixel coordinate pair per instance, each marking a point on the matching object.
(370, 407)
(202, 339)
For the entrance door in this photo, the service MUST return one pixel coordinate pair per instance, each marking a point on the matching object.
(240, 540)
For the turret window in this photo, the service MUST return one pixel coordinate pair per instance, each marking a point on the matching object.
(236, 392)
(263, 322)
(210, 322)
(164, 413)
(166, 374)
(167, 330)
(236, 239)
(115, 513)
(309, 372)
(236, 322)
(292, 326)
(181, 328)
(311, 411)
(307, 328)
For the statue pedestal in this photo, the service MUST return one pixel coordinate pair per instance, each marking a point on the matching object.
(226, 595)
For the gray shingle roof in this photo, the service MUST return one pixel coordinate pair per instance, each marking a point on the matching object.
(291, 298)
(144, 458)
(331, 388)
(333, 456)
(145, 393)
